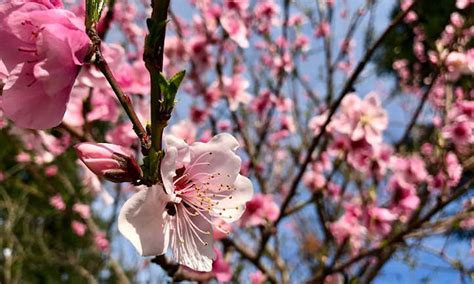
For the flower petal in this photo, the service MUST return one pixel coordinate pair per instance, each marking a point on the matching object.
(144, 221)
(191, 247)
(234, 205)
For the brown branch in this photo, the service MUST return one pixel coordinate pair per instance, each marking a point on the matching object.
(345, 90)
(100, 62)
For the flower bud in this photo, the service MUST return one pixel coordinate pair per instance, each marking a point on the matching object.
(110, 161)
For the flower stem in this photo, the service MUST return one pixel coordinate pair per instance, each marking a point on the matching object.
(153, 57)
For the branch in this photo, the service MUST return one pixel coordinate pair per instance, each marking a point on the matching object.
(100, 62)
(345, 90)
(153, 57)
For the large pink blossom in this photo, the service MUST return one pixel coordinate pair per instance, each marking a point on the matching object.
(41, 43)
(200, 181)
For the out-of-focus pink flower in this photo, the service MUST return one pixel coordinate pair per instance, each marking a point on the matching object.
(51, 171)
(349, 228)
(200, 181)
(404, 197)
(259, 210)
(2, 176)
(257, 277)
(220, 268)
(185, 130)
(111, 161)
(83, 210)
(221, 229)
(459, 63)
(235, 27)
(78, 228)
(323, 29)
(41, 43)
(122, 135)
(453, 169)
(463, 4)
(380, 220)
(410, 169)
(23, 157)
(57, 202)
(101, 242)
(234, 89)
(361, 119)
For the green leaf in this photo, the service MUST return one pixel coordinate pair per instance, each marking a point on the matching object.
(175, 82)
(93, 11)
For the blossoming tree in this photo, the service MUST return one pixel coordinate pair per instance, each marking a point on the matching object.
(234, 140)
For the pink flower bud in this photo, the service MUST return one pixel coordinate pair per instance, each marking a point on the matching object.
(110, 161)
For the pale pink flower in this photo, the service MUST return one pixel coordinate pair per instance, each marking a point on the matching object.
(463, 4)
(200, 181)
(122, 135)
(404, 197)
(235, 27)
(57, 202)
(361, 119)
(257, 277)
(349, 228)
(51, 171)
(221, 229)
(23, 157)
(40, 44)
(221, 268)
(101, 242)
(184, 130)
(113, 162)
(259, 210)
(235, 89)
(323, 29)
(78, 228)
(83, 210)
(380, 220)
(411, 169)
(453, 169)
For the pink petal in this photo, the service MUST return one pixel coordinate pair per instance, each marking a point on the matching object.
(143, 221)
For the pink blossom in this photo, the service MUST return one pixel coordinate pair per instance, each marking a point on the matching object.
(221, 229)
(78, 228)
(83, 210)
(323, 29)
(379, 220)
(122, 135)
(257, 277)
(404, 198)
(200, 181)
(411, 169)
(111, 161)
(185, 130)
(361, 119)
(235, 27)
(349, 228)
(23, 157)
(221, 268)
(51, 171)
(453, 169)
(101, 242)
(57, 202)
(259, 210)
(41, 43)
(463, 4)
